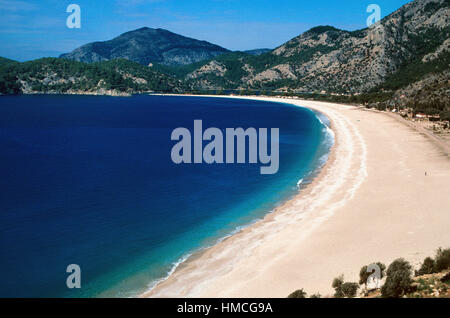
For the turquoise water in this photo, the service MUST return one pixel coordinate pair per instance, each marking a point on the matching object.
(88, 180)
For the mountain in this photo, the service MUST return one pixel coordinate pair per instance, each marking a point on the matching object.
(326, 59)
(257, 51)
(62, 76)
(146, 46)
(4, 60)
(401, 61)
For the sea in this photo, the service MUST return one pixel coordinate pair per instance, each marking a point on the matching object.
(89, 180)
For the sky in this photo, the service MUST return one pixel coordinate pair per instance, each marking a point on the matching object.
(31, 29)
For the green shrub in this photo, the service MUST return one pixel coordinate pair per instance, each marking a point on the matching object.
(337, 285)
(424, 286)
(343, 289)
(442, 260)
(298, 294)
(446, 279)
(349, 289)
(364, 275)
(398, 279)
(428, 267)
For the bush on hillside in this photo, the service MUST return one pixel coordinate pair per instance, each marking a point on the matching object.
(442, 260)
(337, 285)
(349, 290)
(364, 275)
(298, 294)
(398, 279)
(446, 278)
(343, 289)
(428, 267)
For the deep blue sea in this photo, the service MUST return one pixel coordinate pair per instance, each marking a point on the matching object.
(89, 180)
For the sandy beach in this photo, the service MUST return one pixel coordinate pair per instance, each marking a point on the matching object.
(384, 193)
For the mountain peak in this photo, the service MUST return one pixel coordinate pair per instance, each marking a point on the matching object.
(147, 45)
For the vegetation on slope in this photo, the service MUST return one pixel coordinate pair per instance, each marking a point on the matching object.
(53, 75)
(147, 45)
(402, 64)
(431, 280)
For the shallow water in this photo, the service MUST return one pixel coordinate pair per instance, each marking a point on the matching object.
(89, 180)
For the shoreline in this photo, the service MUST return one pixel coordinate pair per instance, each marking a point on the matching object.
(269, 217)
(265, 259)
(317, 175)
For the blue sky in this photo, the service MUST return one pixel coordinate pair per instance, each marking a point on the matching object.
(32, 29)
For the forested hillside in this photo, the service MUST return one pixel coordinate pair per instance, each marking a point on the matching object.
(53, 75)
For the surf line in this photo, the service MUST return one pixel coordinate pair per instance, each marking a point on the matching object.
(235, 139)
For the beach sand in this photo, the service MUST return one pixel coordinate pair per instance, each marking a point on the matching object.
(371, 202)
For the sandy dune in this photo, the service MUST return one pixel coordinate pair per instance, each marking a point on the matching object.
(372, 202)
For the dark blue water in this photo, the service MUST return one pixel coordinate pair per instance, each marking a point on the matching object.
(90, 181)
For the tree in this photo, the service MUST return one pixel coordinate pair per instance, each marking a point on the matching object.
(343, 289)
(398, 279)
(298, 294)
(337, 285)
(428, 267)
(364, 274)
(349, 290)
(442, 259)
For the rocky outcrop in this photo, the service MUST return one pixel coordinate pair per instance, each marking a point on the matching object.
(337, 61)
